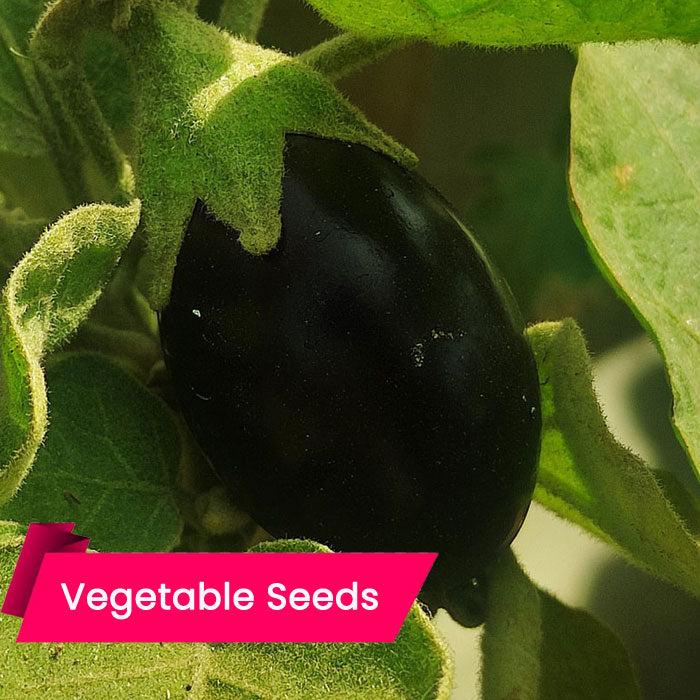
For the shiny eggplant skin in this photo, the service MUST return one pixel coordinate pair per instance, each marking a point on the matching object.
(366, 384)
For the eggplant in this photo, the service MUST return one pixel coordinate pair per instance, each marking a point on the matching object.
(366, 384)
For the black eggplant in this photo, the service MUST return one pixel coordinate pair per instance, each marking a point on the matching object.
(366, 384)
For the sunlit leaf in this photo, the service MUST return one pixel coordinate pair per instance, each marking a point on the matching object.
(514, 22)
(47, 295)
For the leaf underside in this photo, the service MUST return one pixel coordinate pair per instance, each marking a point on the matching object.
(588, 478)
(536, 648)
(515, 22)
(635, 178)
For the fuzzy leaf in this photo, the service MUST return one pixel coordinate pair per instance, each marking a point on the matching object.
(536, 648)
(110, 456)
(20, 128)
(635, 177)
(416, 666)
(587, 477)
(47, 295)
(515, 22)
(221, 136)
(214, 111)
(122, 325)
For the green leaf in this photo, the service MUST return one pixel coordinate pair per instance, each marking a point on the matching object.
(587, 477)
(110, 457)
(416, 666)
(122, 326)
(515, 22)
(91, 671)
(536, 648)
(47, 295)
(20, 127)
(635, 178)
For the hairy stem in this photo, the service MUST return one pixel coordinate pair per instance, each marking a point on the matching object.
(346, 53)
(110, 159)
(61, 61)
(64, 147)
(242, 17)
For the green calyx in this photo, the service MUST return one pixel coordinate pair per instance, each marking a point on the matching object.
(213, 111)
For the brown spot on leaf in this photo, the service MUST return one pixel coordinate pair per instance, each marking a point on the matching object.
(71, 497)
(623, 174)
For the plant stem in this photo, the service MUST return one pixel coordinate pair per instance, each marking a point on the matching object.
(111, 161)
(63, 146)
(57, 46)
(66, 146)
(346, 53)
(242, 17)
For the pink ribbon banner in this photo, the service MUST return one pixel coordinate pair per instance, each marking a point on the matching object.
(66, 594)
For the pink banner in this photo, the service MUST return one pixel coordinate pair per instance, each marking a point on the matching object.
(213, 597)
(41, 538)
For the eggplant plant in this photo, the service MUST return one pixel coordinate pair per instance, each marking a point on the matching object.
(235, 316)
